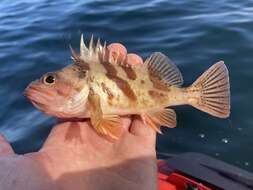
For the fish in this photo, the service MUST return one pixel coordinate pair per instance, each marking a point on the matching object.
(100, 87)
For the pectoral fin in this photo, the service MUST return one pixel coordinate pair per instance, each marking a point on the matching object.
(164, 117)
(108, 125)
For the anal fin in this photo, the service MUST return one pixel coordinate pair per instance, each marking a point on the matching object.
(164, 117)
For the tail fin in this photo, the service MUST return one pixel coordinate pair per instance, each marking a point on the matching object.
(211, 91)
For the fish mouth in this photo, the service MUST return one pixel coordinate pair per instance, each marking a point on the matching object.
(39, 97)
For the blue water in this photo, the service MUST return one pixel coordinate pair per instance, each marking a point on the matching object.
(34, 39)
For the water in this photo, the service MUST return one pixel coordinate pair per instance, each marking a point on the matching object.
(34, 39)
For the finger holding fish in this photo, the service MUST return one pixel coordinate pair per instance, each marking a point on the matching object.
(131, 59)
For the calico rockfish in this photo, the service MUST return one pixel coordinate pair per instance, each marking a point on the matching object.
(101, 87)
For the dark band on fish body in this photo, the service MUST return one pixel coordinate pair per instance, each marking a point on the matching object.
(157, 95)
(82, 64)
(129, 72)
(78, 61)
(124, 86)
(107, 91)
(158, 83)
(85, 66)
(110, 69)
(82, 74)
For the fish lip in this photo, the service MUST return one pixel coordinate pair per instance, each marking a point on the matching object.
(35, 102)
(38, 97)
(25, 93)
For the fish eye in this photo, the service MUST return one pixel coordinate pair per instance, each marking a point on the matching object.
(49, 79)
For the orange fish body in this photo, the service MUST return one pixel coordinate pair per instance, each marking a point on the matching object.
(100, 87)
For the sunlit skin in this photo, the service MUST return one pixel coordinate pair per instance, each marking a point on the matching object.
(74, 156)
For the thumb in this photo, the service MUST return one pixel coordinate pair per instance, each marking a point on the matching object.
(5, 147)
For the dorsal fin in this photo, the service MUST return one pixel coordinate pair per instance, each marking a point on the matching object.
(84, 51)
(162, 67)
(93, 51)
(96, 53)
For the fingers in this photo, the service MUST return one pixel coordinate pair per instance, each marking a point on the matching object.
(5, 147)
(117, 48)
(134, 59)
(131, 58)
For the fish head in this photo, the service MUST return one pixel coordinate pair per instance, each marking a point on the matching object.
(63, 93)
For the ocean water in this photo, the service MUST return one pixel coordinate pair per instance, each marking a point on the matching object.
(34, 39)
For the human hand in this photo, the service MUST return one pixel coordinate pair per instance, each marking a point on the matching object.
(75, 157)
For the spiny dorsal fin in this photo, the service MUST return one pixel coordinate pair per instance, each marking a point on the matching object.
(91, 44)
(74, 55)
(94, 52)
(161, 66)
(83, 49)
